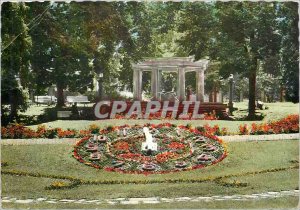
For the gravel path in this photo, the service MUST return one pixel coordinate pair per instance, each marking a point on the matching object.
(155, 200)
(234, 138)
(38, 141)
(270, 137)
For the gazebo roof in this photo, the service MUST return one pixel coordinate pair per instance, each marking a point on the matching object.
(171, 63)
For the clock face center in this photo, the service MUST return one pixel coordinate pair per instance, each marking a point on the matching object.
(149, 145)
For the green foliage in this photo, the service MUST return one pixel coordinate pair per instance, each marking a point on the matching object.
(243, 36)
(68, 44)
(15, 49)
(289, 18)
(60, 53)
(269, 85)
(168, 81)
(196, 22)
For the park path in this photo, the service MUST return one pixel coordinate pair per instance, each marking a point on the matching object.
(157, 200)
(234, 138)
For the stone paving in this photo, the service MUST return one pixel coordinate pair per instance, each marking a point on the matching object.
(233, 138)
(156, 200)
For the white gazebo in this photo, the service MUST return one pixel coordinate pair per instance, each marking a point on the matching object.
(181, 65)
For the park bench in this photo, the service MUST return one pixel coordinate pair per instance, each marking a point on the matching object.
(260, 105)
(77, 99)
(45, 99)
(64, 114)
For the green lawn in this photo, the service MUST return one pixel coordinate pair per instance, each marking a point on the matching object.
(275, 111)
(251, 163)
(260, 166)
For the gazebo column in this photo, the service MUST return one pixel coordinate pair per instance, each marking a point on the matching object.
(200, 85)
(158, 83)
(154, 83)
(181, 84)
(137, 84)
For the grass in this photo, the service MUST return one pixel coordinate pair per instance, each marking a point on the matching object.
(244, 157)
(34, 187)
(275, 111)
(57, 159)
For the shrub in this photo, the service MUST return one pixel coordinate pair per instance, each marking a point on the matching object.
(15, 131)
(57, 185)
(4, 163)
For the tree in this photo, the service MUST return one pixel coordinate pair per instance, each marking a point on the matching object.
(240, 35)
(289, 18)
(60, 53)
(213, 81)
(118, 37)
(15, 47)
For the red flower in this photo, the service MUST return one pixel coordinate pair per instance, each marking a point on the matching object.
(176, 145)
(122, 145)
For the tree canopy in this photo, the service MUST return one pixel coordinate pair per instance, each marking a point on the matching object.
(70, 44)
(15, 50)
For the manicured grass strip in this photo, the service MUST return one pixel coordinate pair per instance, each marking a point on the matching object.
(25, 173)
(25, 187)
(97, 182)
(57, 159)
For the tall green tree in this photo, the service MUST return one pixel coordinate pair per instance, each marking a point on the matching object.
(123, 33)
(118, 37)
(241, 35)
(289, 18)
(60, 53)
(15, 49)
(252, 27)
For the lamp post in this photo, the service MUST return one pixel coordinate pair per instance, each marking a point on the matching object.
(230, 104)
(100, 76)
(221, 82)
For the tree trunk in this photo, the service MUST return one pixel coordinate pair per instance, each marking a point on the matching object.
(211, 97)
(60, 95)
(100, 89)
(262, 96)
(281, 94)
(13, 106)
(215, 94)
(241, 96)
(252, 89)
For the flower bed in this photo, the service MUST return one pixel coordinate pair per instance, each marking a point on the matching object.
(289, 124)
(180, 148)
(158, 116)
(19, 131)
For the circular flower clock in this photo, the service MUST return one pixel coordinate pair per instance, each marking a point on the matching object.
(149, 149)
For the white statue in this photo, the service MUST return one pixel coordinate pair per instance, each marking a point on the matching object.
(149, 144)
